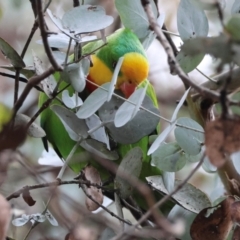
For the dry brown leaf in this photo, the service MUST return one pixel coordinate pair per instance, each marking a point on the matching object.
(5, 217)
(213, 223)
(222, 136)
(235, 212)
(92, 175)
(28, 198)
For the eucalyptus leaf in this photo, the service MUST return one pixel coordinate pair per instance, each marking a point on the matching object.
(76, 127)
(187, 62)
(38, 217)
(146, 42)
(189, 140)
(114, 78)
(60, 57)
(168, 157)
(11, 54)
(71, 102)
(207, 45)
(168, 180)
(127, 110)
(75, 74)
(86, 19)
(134, 17)
(34, 129)
(188, 196)
(191, 20)
(50, 218)
(94, 101)
(141, 125)
(132, 165)
(174, 116)
(61, 40)
(161, 137)
(99, 149)
(21, 221)
(99, 134)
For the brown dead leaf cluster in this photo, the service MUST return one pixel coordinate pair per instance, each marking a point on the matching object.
(92, 175)
(216, 222)
(222, 137)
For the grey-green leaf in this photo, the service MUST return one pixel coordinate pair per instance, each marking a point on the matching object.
(160, 138)
(99, 134)
(187, 62)
(188, 196)
(99, 148)
(71, 102)
(94, 101)
(85, 19)
(168, 180)
(168, 157)
(189, 140)
(141, 125)
(191, 20)
(76, 127)
(127, 110)
(134, 17)
(132, 165)
(10, 53)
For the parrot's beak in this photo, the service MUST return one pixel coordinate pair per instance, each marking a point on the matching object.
(127, 89)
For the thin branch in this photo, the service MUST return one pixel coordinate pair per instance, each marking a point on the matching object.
(44, 37)
(33, 81)
(21, 79)
(16, 85)
(45, 105)
(51, 184)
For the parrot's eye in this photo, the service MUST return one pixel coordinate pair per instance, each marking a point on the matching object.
(114, 64)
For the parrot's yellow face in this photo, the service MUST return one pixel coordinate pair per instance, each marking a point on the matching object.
(133, 71)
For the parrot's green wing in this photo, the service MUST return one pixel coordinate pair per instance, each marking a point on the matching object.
(56, 133)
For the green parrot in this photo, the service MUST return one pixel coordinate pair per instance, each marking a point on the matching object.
(133, 74)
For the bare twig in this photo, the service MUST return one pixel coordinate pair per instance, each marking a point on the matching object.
(33, 81)
(44, 37)
(51, 184)
(21, 79)
(16, 85)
